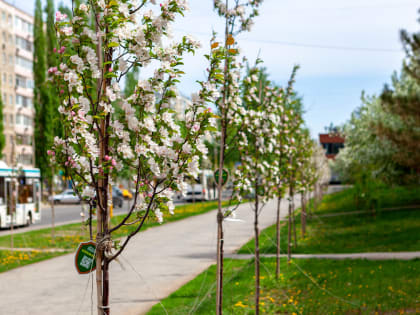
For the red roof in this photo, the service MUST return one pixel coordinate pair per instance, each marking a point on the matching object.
(327, 138)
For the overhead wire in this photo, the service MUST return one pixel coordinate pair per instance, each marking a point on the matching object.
(305, 45)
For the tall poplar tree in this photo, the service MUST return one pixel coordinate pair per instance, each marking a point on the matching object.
(51, 43)
(43, 117)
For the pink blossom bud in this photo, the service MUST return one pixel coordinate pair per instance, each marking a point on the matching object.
(113, 162)
(60, 16)
(61, 91)
(54, 49)
(107, 157)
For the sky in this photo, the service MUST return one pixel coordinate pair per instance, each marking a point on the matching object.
(343, 48)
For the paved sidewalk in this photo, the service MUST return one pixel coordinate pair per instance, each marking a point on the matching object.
(368, 256)
(156, 262)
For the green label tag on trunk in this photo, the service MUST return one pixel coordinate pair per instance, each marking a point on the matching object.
(85, 258)
(225, 176)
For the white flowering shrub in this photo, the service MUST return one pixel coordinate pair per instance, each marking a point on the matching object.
(144, 137)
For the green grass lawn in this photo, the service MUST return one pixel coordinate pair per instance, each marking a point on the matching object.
(306, 286)
(13, 259)
(69, 236)
(347, 200)
(386, 231)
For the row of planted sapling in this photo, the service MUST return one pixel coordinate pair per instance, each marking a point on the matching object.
(106, 131)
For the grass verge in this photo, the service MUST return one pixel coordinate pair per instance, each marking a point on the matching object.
(386, 231)
(387, 197)
(69, 236)
(306, 286)
(13, 259)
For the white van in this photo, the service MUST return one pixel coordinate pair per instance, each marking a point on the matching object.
(202, 188)
(26, 192)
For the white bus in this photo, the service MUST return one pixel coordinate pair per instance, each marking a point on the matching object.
(27, 189)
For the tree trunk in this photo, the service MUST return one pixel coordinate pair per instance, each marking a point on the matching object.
(105, 274)
(278, 238)
(257, 255)
(303, 214)
(219, 294)
(289, 232)
(52, 207)
(102, 236)
(51, 193)
(294, 222)
(220, 218)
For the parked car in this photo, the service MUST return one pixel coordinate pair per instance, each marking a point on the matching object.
(117, 197)
(67, 196)
(126, 193)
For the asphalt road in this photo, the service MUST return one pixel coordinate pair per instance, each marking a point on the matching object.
(64, 214)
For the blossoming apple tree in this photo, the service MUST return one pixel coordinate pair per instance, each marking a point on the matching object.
(258, 172)
(238, 16)
(281, 152)
(144, 137)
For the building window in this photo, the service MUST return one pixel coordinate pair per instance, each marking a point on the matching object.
(25, 159)
(4, 78)
(4, 98)
(23, 25)
(24, 139)
(23, 62)
(24, 44)
(10, 80)
(4, 59)
(11, 60)
(23, 101)
(11, 99)
(20, 81)
(23, 120)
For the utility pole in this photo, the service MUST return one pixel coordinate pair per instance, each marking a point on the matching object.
(13, 191)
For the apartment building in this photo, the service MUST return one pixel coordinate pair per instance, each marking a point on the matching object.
(16, 77)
